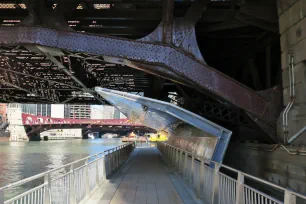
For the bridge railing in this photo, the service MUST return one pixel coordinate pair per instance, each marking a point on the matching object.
(72, 183)
(212, 183)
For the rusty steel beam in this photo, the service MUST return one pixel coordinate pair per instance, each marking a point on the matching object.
(166, 56)
(148, 53)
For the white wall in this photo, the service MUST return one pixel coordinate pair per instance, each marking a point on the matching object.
(57, 110)
(122, 116)
(104, 112)
(16, 128)
(108, 112)
(96, 112)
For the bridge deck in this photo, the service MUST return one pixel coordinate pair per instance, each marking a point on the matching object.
(145, 178)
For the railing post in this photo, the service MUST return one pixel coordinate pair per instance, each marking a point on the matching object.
(97, 171)
(109, 162)
(119, 156)
(47, 182)
(87, 178)
(111, 156)
(171, 156)
(289, 197)
(123, 153)
(185, 166)
(1, 196)
(215, 197)
(120, 152)
(103, 168)
(116, 158)
(72, 194)
(177, 162)
(126, 152)
(180, 160)
(192, 169)
(201, 179)
(240, 189)
(168, 153)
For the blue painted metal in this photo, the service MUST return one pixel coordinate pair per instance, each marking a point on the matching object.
(164, 116)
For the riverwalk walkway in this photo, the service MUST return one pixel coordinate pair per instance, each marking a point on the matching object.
(143, 179)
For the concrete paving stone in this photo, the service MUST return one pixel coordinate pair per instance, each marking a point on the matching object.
(144, 179)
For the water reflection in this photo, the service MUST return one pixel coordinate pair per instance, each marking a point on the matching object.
(22, 160)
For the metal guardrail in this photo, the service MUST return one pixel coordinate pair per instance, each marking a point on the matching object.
(73, 186)
(215, 187)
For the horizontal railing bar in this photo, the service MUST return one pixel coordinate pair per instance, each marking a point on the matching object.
(61, 176)
(80, 167)
(232, 169)
(228, 177)
(95, 160)
(298, 194)
(25, 193)
(26, 180)
(263, 194)
(263, 181)
(240, 187)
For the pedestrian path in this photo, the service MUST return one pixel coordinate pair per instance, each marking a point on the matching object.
(143, 179)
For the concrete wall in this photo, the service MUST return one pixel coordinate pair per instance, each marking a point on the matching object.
(292, 28)
(277, 166)
(3, 111)
(16, 128)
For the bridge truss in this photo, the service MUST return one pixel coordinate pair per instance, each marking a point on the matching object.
(50, 53)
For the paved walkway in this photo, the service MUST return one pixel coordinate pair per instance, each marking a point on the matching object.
(144, 179)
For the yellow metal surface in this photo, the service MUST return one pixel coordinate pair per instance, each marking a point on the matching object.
(158, 138)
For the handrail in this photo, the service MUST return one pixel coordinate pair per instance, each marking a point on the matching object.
(40, 175)
(95, 172)
(289, 194)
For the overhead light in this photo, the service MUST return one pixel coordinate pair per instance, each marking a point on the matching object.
(11, 21)
(23, 6)
(80, 6)
(11, 6)
(102, 6)
(7, 6)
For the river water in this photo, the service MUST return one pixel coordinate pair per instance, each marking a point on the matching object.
(20, 160)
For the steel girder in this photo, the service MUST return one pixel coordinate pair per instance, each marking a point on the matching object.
(37, 79)
(171, 51)
(167, 56)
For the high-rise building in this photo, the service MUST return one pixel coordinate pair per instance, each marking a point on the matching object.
(37, 109)
(66, 110)
(79, 111)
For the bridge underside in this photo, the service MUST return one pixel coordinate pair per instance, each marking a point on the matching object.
(34, 131)
(58, 53)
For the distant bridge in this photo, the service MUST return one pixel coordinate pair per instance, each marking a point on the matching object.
(33, 120)
(34, 124)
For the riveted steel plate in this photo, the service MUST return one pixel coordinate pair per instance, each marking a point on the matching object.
(206, 77)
